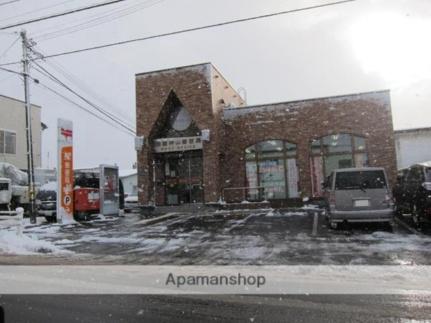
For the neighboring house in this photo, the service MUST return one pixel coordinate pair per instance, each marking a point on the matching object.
(413, 146)
(13, 144)
(129, 177)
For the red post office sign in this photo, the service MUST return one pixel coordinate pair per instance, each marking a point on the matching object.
(65, 171)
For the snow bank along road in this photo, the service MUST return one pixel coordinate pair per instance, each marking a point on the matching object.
(224, 237)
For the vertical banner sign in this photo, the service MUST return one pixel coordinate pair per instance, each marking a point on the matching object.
(65, 171)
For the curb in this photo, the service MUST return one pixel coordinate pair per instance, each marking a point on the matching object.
(159, 219)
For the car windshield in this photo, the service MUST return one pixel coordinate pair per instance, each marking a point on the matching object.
(360, 180)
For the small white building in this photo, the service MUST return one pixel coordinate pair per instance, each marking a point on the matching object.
(412, 146)
(13, 142)
(129, 177)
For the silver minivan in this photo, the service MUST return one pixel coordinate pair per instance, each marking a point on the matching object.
(358, 195)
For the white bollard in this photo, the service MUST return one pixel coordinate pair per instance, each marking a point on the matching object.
(20, 221)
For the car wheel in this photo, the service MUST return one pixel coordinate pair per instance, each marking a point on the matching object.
(398, 211)
(333, 225)
(51, 219)
(389, 226)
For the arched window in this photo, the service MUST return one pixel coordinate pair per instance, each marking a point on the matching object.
(271, 171)
(333, 152)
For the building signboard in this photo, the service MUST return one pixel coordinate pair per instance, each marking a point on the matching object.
(165, 145)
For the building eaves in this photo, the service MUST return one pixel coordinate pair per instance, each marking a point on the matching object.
(230, 113)
(412, 130)
(173, 69)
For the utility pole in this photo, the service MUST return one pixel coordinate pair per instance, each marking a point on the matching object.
(30, 166)
(154, 182)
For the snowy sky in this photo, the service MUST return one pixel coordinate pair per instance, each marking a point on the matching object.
(361, 46)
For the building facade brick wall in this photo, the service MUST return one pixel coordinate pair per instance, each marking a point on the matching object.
(214, 105)
(367, 115)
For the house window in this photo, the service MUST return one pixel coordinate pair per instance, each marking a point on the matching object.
(7, 142)
(271, 171)
(334, 152)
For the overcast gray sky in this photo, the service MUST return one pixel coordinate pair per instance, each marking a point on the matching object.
(361, 46)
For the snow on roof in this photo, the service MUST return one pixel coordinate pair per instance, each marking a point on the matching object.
(12, 172)
(202, 68)
(231, 113)
(412, 130)
(426, 164)
(50, 186)
(127, 172)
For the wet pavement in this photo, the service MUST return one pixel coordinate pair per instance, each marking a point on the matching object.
(235, 238)
(222, 308)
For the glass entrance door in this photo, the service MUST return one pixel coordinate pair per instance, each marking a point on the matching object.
(183, 178)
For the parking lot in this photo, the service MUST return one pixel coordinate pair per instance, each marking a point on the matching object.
(223, 237)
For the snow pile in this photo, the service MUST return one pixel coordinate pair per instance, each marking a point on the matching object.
(50, 186)
(11, 243)
(273, 213)
(114, 240)
(42, 230)
(17, 176)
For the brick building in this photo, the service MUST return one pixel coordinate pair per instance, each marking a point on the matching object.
(202, 143)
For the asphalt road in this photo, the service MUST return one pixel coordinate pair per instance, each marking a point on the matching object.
(326, 308)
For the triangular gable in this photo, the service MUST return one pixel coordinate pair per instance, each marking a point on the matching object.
(174, 120)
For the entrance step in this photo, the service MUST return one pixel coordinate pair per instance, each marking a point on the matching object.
(184, 208)
(245, 206)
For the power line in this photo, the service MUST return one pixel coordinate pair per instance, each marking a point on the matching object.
(97, 20)
(84, 87)
(10, 71)
(36, 81)
(36, 10)
(8, 2)
(9, 48)
(61, 14)
(53, 78)
(183, 31)
(99, 109)
(80, 106)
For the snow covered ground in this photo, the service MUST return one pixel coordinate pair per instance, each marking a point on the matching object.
(235, 238)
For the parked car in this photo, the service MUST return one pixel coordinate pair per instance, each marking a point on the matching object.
(46, 201)
(358, 195)
(412, 192)
(130, 203)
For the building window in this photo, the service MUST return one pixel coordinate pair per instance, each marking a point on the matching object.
(333, 152)
(271, 170)
(7, 142)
